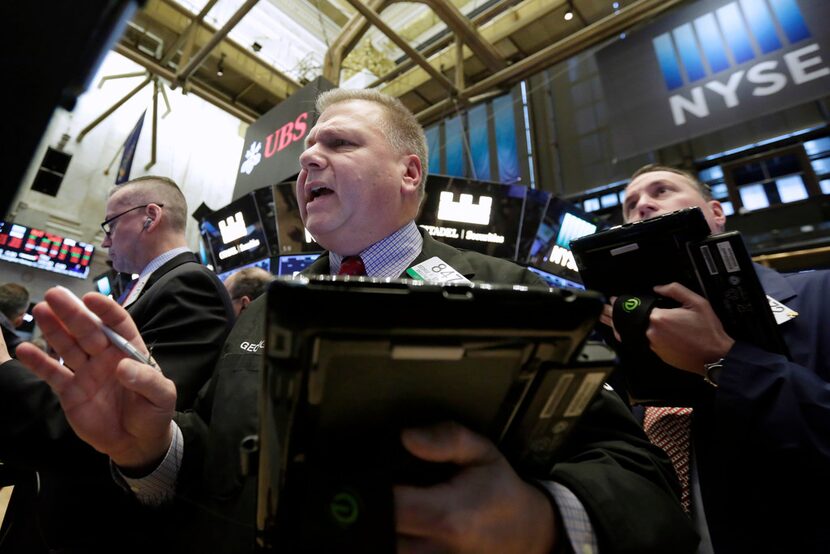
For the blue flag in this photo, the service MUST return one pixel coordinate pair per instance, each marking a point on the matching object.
(129, 152)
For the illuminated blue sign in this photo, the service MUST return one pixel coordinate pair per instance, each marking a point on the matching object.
(727, 37)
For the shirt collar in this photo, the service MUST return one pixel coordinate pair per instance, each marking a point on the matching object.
(159, 261)
(388, 257)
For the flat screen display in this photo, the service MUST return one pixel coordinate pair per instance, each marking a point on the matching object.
(291, 265)
(551, 250)
(474, 215)
(262, 264)
(43, 250)
(556, 280)
(103, 284)
(536, 204)
(235, 235)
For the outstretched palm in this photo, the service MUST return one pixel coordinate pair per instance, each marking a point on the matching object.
(119, 406)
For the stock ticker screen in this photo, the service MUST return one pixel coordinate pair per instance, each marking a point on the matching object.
(43, 250)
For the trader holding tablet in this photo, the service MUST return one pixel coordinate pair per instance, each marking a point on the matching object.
(760, 440)
(359, 190)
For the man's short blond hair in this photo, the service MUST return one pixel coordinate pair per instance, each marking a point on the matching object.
(153, 189)
(701, 187)
(399, 125)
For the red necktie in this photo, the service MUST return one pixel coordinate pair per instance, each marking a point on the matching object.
(670, 429)
(352, 265)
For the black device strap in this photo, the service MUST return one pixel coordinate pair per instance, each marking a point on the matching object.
(631, 319)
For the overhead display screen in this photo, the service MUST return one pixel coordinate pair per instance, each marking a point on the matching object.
(473, 215)
(551, 250)
(235, 235)
(43, 250)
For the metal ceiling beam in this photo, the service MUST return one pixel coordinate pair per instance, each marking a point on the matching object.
(375, 19)
(346, 41)
(172, 18)
(330, 11)
(445, 41)
(184, 74)
(205, 93)
(464, 29)
(517, 18)
(188, 33)
(560, 51)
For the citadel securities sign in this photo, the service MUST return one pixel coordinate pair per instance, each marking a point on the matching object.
(274, 142)
(713, 64)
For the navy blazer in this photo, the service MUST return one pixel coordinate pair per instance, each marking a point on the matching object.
(763, 442)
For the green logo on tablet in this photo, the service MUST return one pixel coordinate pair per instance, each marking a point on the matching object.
(631, 304)
(344, 508)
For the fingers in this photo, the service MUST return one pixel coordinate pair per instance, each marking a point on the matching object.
(607, 315)
(424, 512)
(449, 442)
(77, 320)
(56, 375)
(115, 317)
(678, 292)
(147, 382)
(416, 545)
(58, 336)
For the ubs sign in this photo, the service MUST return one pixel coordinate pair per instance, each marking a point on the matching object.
(714, 64)
(274, 142)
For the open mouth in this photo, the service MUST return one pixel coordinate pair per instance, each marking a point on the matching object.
(317, 192)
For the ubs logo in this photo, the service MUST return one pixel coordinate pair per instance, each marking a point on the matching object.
(277, 141)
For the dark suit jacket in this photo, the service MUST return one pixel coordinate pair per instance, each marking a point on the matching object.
(626, 484)
(184, 314)
(763, 444)
(9, 334)
(472, 265)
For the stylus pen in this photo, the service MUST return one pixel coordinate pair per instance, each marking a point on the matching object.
(124, 346)
(120, 342)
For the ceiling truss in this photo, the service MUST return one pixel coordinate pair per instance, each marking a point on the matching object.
(469, 57)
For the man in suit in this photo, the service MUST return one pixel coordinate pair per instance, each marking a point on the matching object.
(761, 437)
(14, 301)
(359, 191)
(180, 307)
(246, 285)
(183, 313)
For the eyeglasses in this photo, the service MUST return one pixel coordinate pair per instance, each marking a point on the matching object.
(107, 225)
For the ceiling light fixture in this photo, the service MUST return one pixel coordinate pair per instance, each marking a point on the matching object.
(569, 14)
(220, 67)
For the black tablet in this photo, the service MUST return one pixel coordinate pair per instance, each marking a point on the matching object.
(352, 361)
(677, 247)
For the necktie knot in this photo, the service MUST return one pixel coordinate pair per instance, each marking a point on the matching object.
(352, 265)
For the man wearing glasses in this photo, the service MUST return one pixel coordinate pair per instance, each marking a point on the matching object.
(183, 313)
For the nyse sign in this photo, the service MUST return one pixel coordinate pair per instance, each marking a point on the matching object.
(713, 64)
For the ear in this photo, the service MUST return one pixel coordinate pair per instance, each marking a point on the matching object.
(720, 217)
(155, 213)
(243, 302)
(412, 173)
